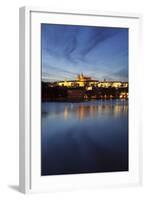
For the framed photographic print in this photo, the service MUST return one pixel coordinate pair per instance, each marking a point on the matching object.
(79, 100)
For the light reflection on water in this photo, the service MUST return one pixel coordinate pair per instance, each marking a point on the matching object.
(84, 137)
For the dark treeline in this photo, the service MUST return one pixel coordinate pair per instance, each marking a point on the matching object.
(59, 93)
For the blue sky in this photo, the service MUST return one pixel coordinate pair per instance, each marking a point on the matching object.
(99, 52)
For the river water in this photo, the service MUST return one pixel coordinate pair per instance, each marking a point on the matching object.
(85, 137)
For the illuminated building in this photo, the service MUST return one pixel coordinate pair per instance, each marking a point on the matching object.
(88, 82)
(84, 88)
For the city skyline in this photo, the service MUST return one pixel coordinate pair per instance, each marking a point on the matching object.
(98, 52)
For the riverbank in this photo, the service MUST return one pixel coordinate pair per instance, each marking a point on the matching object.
(75, 94)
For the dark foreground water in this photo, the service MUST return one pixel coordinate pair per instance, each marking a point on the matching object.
(84, 137)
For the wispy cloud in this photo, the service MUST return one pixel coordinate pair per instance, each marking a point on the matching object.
(68, 49)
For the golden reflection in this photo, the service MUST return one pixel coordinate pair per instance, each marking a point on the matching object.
(65, 114)
(84, 111)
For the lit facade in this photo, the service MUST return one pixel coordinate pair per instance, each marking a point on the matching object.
(84, 81)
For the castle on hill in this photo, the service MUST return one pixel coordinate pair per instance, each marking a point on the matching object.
(86, 81)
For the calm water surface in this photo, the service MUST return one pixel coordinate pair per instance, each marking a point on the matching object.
(84, 137)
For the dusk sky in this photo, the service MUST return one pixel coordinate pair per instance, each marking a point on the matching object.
(99, 52)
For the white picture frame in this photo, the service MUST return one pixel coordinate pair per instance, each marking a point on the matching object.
(29, 160)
